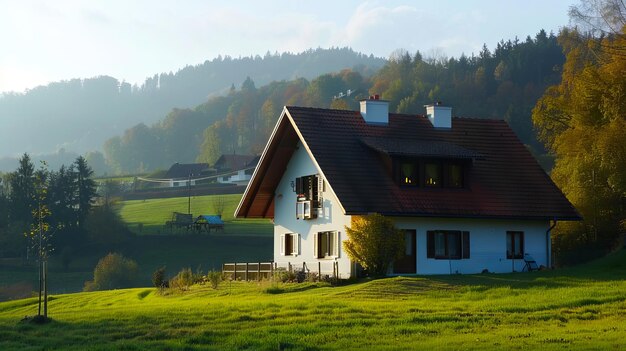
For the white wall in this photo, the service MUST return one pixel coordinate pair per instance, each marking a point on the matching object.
(487, 237)
(331, 219)
(487, 244)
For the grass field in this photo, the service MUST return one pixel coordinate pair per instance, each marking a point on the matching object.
(578, 308)
(241, 240)
(148, 216)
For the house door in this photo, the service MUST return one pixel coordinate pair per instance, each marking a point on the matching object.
(408, 263)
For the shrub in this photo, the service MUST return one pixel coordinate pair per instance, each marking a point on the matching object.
(285, 276)
(214, 277)
(158, 278)
(374, 242)
(183, 280)
(113, 271)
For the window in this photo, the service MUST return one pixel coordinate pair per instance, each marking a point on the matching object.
(308, 192)
(408, 173)
(514, 245)
(326, 244)
(290, 244)
(447, 244)
(432, 174)
(454, 175)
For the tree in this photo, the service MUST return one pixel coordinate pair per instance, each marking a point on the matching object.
(374, 242)
(582, 120)
(86, 189)
(40, 235)
(22, 196)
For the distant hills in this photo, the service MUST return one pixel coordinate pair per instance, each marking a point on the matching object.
(78, 115)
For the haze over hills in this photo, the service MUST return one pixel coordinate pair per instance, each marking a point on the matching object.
(78, 115)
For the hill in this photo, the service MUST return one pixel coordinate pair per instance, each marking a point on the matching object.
(577, 308)
(79, 114)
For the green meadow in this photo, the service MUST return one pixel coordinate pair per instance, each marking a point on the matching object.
(152, 247)
(577, 308)
(149, 216)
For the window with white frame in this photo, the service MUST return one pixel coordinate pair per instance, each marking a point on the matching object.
(326, 244)
(309, 196)
(290, 244)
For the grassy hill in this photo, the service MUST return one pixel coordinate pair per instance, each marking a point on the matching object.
(578, 308)
(148, 216)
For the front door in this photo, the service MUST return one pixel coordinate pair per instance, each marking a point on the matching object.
(408, 263)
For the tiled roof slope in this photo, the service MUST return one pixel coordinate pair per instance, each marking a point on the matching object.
(504, 182)
(184, 170)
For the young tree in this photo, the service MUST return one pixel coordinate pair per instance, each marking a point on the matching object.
(374, 242)
(40, 235)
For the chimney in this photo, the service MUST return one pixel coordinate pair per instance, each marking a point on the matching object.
(374, 110)
(439, 116)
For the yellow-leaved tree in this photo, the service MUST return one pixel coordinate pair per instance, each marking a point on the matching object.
(582, 121)
(374, 242)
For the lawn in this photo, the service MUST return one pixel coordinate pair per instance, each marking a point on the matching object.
(577, 308)
(149, 216)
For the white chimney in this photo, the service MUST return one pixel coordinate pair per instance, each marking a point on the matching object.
(439, 116)
(374, 110)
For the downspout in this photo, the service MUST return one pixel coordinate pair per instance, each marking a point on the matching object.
(549, 244)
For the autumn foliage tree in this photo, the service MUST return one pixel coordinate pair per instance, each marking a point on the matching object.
(582, 121)
(374, 242)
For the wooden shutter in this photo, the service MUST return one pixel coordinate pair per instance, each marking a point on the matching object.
(430, 244)
(295, 240)
(466, 245)
(315, 246)
(298, 185)
(337, 243)
(282, 244)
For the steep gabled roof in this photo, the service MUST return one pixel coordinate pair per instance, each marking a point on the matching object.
(505, 180)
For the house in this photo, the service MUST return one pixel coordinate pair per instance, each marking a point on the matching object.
(180, 174)
(235, 169)
(468, 194)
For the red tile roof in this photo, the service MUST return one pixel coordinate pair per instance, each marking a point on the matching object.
(505, 181)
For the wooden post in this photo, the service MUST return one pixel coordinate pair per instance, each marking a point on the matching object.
(235, 272)
(45, 289)
(258, 275)
(319, 270)
(246, 276)
(289, 265)
(272, 270)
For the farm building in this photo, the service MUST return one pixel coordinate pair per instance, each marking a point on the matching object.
(235, 169)
(468, 194)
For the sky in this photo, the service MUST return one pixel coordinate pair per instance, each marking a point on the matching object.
(46, 41)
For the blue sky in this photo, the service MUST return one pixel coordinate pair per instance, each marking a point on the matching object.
(44, 41)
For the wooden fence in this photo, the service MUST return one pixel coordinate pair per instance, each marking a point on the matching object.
(266, 270)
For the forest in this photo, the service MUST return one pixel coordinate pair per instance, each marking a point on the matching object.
(503, 84)
(67, 118)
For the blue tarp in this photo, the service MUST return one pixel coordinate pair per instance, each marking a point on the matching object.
(210, 219)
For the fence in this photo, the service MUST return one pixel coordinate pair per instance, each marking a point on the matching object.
(266, 270)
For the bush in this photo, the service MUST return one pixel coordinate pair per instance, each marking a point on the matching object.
(158, 278)
(113, 271)
(374, 242)
(214, 277)
(183, 280)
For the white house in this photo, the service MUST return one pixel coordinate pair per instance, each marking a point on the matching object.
(467, 192)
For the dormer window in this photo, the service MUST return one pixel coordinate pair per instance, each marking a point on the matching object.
(408, 173)
(308, 196)
(432, 174)
(454, 175)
